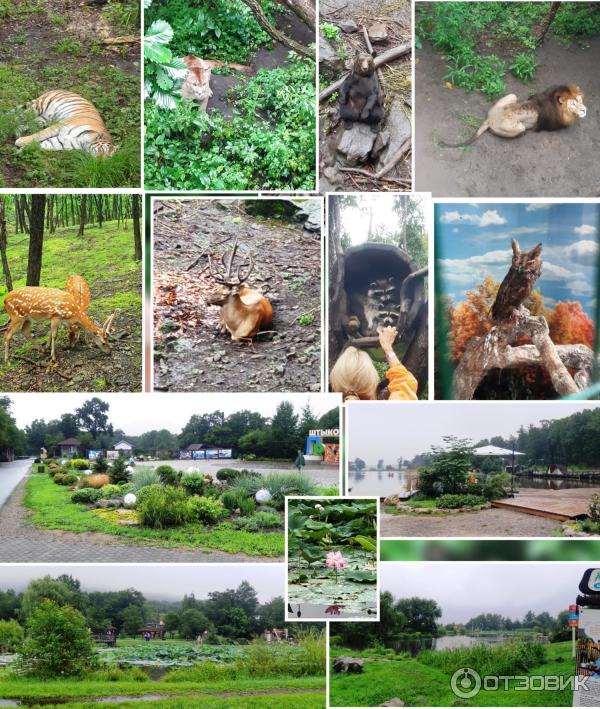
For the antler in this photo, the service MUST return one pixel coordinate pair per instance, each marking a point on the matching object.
(225, 275)
(108, 323)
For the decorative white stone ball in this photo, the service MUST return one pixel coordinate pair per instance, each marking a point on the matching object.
(191, 469)
(129, 500)
(129, 469)
(263, 496)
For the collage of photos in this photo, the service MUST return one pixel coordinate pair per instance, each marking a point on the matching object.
(299, 395)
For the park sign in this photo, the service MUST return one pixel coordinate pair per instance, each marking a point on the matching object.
(587, 690)
(573, 616)
(325, 433)
(590, 582)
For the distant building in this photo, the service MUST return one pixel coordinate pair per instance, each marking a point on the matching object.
(154, 630)
(275, 635)
(124, 448)
(200, 451)
(69, 448)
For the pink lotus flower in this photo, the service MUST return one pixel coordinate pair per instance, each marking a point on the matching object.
(335, 560)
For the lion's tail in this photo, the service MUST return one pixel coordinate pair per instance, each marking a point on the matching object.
(482, 129)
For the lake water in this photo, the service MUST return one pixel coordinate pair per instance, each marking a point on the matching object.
(414, 646)
(383, 482)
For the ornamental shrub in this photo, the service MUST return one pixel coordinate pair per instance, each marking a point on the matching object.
(142, 477)
(205, 510)
(168, 475)
(86, 496)
(163, 507)
(96, 481)
(118, 471)
(58, 643)
(11, 636)
(454, 501)
(226, 474)
(193, 483)
(79, 464)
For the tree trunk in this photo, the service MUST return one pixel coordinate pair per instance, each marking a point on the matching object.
(305, 9)
(3, 239)
(137, 231)
(82, 214)
(36, 239)
(278, 36)
(542, 30)
(99, 205)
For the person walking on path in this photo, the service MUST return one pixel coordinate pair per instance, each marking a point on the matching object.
(299, 462)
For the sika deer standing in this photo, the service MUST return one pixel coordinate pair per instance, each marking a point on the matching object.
(244, 312)
(78, 287)
(35, 303)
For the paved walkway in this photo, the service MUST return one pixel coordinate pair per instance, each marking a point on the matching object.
(21, 542)
(11, 475)
(485, 523)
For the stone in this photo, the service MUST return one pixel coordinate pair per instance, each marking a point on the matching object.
(309, 212)
(106, 504)
(398, 128)
(330, 64)
(391, 500)
(349, 665)
(394, 702)
(378, 33)
(348, 26)
(356, 144)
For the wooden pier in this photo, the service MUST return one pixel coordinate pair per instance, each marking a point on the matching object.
(561, 505)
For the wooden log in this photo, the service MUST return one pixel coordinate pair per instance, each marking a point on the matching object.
(273, 32)
(128, 39)
(385, 58)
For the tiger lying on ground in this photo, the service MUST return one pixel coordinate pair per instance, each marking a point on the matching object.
(73, 123)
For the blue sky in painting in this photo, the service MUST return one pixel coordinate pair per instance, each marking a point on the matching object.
(473, 241)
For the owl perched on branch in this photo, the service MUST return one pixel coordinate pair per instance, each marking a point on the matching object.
(518, 283)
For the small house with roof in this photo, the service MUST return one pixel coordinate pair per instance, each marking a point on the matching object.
(69, 448)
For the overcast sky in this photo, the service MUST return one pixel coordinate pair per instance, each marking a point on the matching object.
(138, 413)
(355, 220)
(464, 590)
(157, 581)
(390, 430)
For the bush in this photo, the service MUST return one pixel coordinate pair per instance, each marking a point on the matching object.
(205, 510)
(142, 477)
(496, 486)
(448, 472)
(110, 490)
(168, 475)
(193, 483)
(226, 474)
(246, 483)
(11, 636)
(118, 471)
(96, 481)
(163, 507)
(282, 484)
(146, 491)
(452, 501)
(58, 478)
(247, 507)
(231, 499)
(258, 522)
(58, 643)
(79, 464)
(86, 496)
(100, 465)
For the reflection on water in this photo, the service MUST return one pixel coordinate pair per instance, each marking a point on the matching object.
(414, 646)
(395, 482)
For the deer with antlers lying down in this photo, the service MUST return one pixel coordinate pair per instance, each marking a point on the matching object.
(245, 312)
(24, 305)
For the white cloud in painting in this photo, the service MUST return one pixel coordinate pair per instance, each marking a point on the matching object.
(552, 272)
(549, 302)
(488, 218)
(585, 229)
(581, 288)
(583, 252)
(537, 206)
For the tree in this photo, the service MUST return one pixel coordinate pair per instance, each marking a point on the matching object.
(10, 605)
(569, 325)
(284, 431)
(192, 623)
(137, 232)
(36, 239)
(448, 471)
(82, 214)
(61, 593)
(421, 614)
(542, 30)
(271, 614)
(171, 622)
(359, 464)
(11, 636)
(3, 244)
(92, 416)
(58, 643)
(68, 425)
(132, 620)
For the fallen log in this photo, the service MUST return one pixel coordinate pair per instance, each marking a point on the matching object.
(128, 39)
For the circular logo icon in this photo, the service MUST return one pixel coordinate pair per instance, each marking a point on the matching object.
(465, 683)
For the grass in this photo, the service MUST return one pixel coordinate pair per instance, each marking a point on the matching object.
(51, 508)
(422, 682)
(283, 701)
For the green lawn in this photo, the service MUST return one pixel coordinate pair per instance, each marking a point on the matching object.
(281, 701)
(417, 684)
(51, 507)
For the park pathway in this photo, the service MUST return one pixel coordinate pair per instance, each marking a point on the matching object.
(11, 475)
(22, 542)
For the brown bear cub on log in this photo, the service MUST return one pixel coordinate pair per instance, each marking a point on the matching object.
(360, 96)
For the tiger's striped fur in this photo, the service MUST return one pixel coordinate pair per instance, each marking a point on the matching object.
(72, 123)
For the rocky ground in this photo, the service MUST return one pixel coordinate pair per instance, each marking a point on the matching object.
(190, 353)
(361, 150)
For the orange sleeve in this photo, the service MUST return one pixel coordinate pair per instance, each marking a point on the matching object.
(402, 384)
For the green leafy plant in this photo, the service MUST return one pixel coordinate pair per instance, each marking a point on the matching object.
(86, 496)
(168, 475)
(164, 507)
(193, 483)
(226, 474)
(454, 501)
(118, 471)
(79, 464)
(524, 66)
(231, 499)
(161, 69)
(11, 636)
(205, 510)
(142, 477)
(330, 31)
(247, 507)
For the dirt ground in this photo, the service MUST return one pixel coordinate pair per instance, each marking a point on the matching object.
(190, 354)
(546, 164)
(396, 16)
(485, 523)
